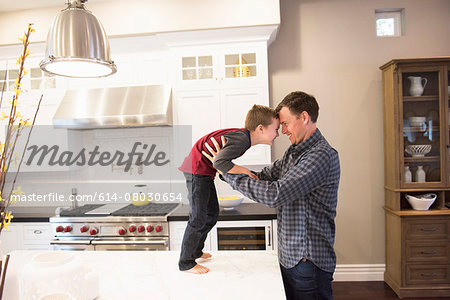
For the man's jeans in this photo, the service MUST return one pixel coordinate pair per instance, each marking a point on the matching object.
(305, 281)
(202, 218)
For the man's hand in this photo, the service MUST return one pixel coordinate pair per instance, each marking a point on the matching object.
(213, 153)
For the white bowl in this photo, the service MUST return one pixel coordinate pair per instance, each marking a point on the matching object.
(417, 120)
(421, 202)
(418, 150)
(229, 202)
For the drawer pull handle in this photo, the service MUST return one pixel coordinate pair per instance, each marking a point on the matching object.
(37, 231)
(428, 275)
(428, 252)
(429, 229)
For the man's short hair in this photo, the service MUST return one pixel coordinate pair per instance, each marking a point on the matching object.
(259, 115)
(298, 102)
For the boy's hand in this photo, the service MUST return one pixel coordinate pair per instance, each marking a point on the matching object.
(249, 173)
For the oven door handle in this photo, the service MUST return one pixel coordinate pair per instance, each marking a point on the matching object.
(70, 242)
(149, 242)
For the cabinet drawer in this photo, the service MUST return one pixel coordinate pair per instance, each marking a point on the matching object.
(436, 251)
(427, 229)
(36, 232)
(428, 275)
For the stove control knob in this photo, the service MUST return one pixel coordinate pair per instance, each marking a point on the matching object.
(59, 229)
(158, 228)
(141, 228)
(149, 228)
(93, 231)
(132, 228)
(122, 231)
(84, 228)
(68, 228)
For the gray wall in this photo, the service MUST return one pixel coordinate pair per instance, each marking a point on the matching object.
(329, 48)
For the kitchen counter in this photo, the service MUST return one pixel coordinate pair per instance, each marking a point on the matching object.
(155, 275)
(32, 213)
(244, 211)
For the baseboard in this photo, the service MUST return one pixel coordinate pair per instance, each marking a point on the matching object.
(355, 272)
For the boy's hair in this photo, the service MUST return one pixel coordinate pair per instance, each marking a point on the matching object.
(298, 102)
(259, 114)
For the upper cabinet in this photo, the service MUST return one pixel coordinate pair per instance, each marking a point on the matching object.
(216, 85)
(34, 83)
(416, 118)
(133, 68)
(220, 66)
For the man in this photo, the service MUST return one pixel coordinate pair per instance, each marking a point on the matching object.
(303, 187)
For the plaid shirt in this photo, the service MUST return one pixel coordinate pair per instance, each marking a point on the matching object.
(303, 187)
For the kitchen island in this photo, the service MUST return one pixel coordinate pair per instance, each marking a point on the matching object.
(155, 275)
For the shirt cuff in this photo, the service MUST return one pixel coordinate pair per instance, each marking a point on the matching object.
(232, 179)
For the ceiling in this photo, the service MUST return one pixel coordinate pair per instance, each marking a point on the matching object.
(8, 5)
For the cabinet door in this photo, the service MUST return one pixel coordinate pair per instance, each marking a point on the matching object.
(422, 123)
(243, 66)
(176, 233)
(200, 109)
(196, 68)
(446, 91)
(12, 239)
(37, 236)
(235, 103)
(275, 234)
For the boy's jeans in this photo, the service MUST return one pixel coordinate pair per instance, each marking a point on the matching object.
(202, 218)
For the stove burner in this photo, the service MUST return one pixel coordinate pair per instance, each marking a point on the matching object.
(151, 209)
(79, 211)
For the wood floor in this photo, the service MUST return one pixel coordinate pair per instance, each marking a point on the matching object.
(368, 290)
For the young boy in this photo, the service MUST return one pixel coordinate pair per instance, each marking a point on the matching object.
(261, 127)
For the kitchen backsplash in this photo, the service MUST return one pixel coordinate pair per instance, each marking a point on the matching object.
(161, 148)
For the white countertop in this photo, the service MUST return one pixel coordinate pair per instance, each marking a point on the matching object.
(155, 275)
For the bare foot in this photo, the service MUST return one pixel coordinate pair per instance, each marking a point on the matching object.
(205, 255)
(198, 269)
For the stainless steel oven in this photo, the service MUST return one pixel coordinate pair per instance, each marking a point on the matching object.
(130, 244)
(72, 244)
(96, 228)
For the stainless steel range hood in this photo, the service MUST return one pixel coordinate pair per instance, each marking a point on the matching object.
(149, 105)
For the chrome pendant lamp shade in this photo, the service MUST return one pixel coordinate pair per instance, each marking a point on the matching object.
(77, 45)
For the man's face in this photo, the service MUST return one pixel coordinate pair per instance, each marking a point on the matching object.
(292, 125)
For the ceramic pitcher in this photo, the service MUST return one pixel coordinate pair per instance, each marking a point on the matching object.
(417, 85)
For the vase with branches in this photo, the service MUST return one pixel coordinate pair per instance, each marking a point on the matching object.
(14, 127)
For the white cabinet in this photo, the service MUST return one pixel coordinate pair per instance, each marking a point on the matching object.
(36, 236)
(199, 109)
(176, 233)
(26, 236)
(133, 68)
(34, 84)
(220, 65)
(275, 234)
(12, 239)
(216, 85)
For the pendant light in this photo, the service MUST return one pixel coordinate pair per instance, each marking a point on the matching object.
(77, 45)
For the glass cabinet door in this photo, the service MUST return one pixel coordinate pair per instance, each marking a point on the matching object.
(197, 67)
(422, 119)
